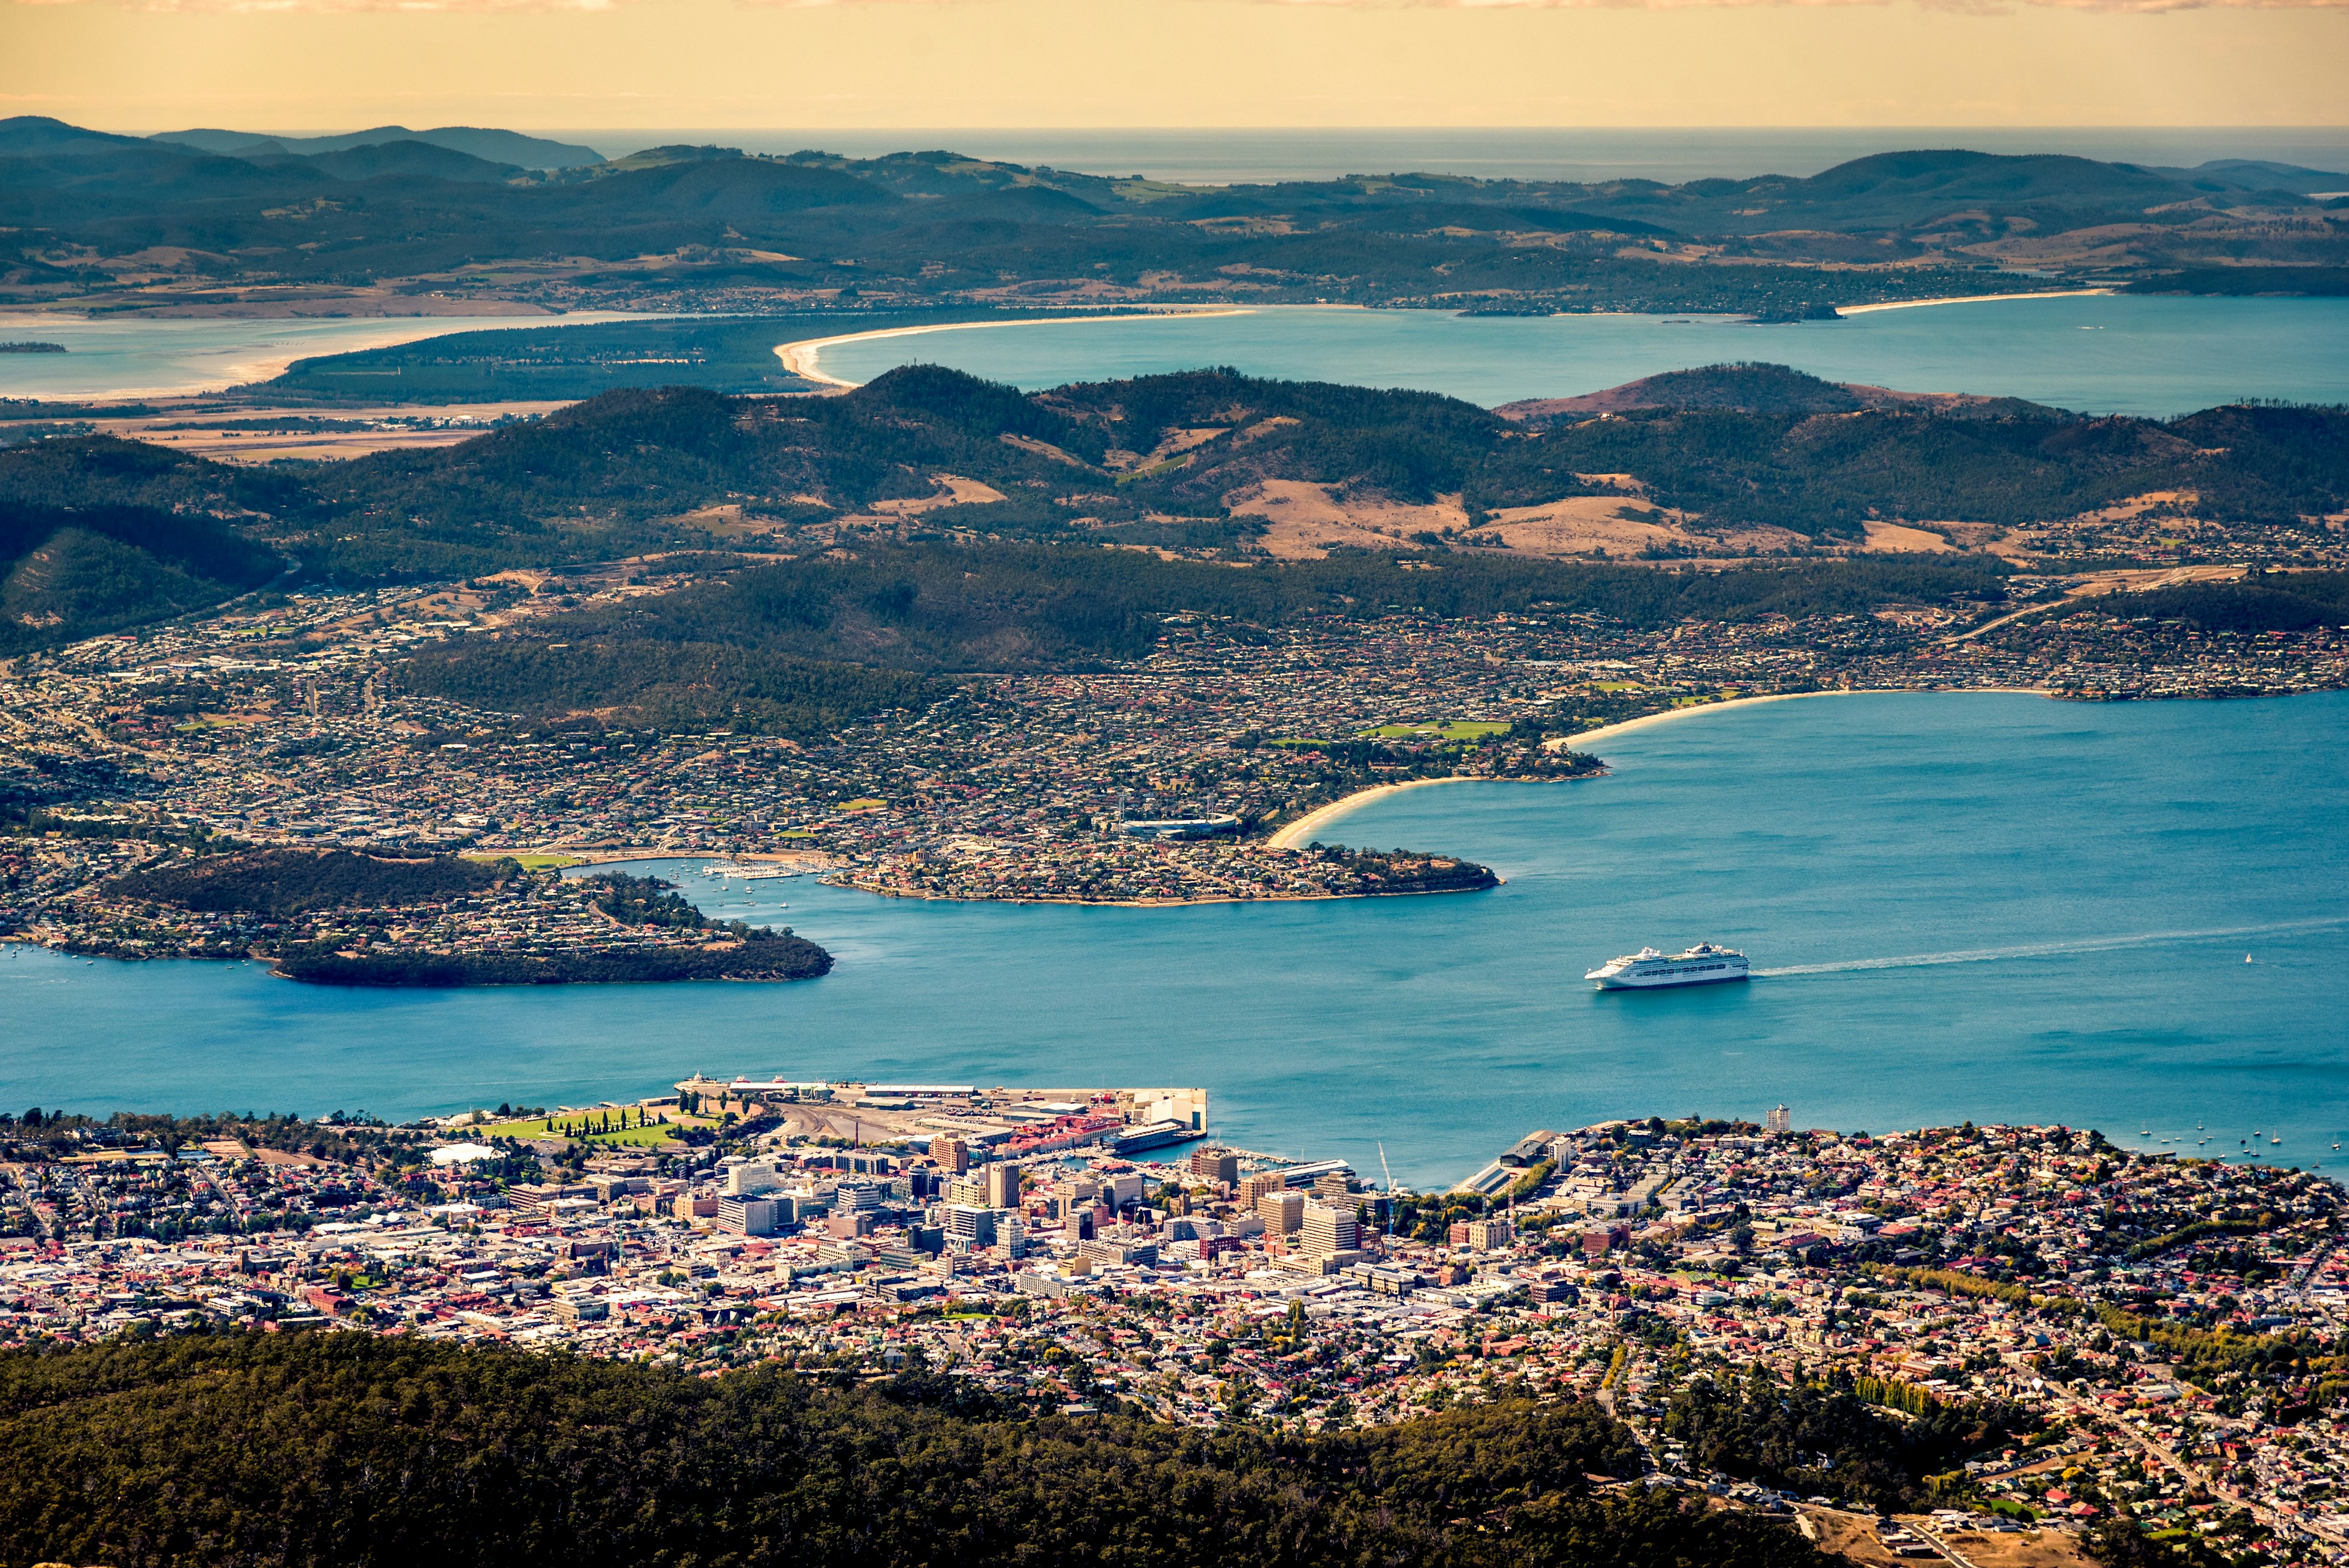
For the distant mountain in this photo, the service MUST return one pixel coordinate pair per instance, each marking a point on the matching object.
(380, 159)
(711, 228)
(2257, 174)
(489, 145)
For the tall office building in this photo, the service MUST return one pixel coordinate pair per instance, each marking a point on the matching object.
(1216, 1165)
(1329, 1230)
(951, 1153)
(1262, 1182)
(1003, 1186)
(1282, 1212)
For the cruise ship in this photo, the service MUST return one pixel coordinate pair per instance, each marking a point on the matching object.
(1702, 964)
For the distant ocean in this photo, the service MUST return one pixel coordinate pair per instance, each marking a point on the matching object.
(1230, 157)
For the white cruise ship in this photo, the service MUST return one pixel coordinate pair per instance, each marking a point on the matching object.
(1702, 964)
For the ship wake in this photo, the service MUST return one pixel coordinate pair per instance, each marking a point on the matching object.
(2051, 950)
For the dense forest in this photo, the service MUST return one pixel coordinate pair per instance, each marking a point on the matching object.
(2273, 601)
(1815, 1436)
(761, 954)
(925, 226)
(334, 1449)
(286, 882)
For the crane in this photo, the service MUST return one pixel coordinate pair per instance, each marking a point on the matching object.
(1389, 1174)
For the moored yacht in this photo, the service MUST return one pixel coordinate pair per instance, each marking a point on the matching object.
(1703, 964)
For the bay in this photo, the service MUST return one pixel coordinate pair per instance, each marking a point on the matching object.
(122, 355)
(1960, 906)
(2154, 357)
(1225, 156)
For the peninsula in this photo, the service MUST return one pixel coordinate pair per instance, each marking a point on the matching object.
(338, 917)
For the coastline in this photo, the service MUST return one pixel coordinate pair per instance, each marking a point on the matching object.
(799, 358)
(1498, 880)
(1300, 833)
(1843, 310)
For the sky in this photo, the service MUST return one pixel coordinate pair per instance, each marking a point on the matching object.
(310, 65)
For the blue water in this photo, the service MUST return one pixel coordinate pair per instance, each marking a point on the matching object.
(2101, 354)
(1217, 157)
(1994, 907)
(112, 355)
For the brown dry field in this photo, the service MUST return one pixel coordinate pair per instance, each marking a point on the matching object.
(223, 446)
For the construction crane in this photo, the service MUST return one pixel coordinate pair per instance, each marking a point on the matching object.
(1389, 1174)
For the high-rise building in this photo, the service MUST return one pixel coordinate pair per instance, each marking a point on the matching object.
(1282, 1212)
(1216, 1165)
(971, 1190)
(951, 1153)
(753, 1216)
(748, 1177)
(1781, 1120)
(1003, 1186)
(972, 1227)
(1329, 1230)
(1262, 1182)
(1332, 1185)
(1011, 1234)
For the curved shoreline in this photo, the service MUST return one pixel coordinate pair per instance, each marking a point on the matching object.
(799, 358)
(1843, 310)
(1298, 833)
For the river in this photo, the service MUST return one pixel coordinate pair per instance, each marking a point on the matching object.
(2149, 355)
(1959, 905)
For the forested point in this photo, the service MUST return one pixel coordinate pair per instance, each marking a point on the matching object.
(761, 956)
(348, 1448)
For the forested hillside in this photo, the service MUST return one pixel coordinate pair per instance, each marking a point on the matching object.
(767, 650)
(351, 1450)
(282, 882)
(1161, 459)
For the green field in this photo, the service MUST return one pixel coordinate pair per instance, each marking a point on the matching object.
(539, 1127)
(1457, 730)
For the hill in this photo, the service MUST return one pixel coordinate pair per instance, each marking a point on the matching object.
(1182, 461)
(1749, 387)
(713, 226)
(72, 571)
(272, 1450)
(788, 627)
(284, 882)
(490, 146)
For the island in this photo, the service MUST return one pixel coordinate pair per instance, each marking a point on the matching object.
(32, 347)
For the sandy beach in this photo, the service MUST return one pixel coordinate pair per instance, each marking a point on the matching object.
(1971, 299)
(800, 359)
(1301, 832)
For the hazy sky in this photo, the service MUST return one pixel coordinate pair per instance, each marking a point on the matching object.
(291, 65)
